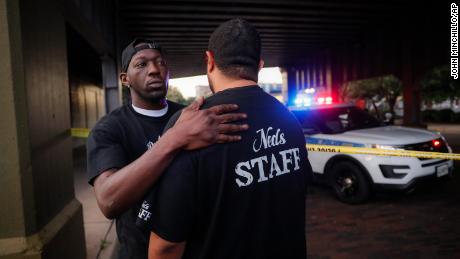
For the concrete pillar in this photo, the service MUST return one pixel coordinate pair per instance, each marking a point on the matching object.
(40, 217)
(314, 75)
(343, 69)
(284, 84)
(308, 76)
(302, 78)
(411, 82)
(110, 83)
(411, 73)
(328, 75)
(16, 196)
(355, 64)
(321, 73)
(290, 80)
(297, 79)
(346, 65)
(365, 54)
(336, 76)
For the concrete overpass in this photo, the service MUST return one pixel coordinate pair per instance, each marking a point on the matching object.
(51, 48)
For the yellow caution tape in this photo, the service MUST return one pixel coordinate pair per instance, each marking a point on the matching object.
(84, 132)
(79, 132)
(381, 152)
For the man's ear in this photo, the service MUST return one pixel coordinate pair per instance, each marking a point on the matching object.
(124, 79)
(210, 63)
(261, 64)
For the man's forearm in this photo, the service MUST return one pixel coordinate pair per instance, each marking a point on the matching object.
(116, 192)
(162, 249)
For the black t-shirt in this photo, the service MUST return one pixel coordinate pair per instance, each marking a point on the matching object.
(237, 200)
(118, 139)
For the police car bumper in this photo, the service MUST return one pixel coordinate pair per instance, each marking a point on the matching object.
(404, 177)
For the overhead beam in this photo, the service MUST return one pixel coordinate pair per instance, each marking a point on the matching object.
(361, 5)
(249, 17)
(201, 23)
(244, 9)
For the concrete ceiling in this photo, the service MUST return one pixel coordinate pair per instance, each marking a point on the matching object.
(289, 29)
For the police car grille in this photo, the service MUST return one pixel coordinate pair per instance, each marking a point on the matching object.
(427, 146)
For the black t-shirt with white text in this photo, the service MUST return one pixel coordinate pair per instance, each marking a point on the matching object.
(115, 141)
(237, 200)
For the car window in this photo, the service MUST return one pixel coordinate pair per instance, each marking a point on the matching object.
(340, 119)
(336, 120)
(308, 121)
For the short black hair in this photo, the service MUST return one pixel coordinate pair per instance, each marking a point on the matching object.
(236, 47)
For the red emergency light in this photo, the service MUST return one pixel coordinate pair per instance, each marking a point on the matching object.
(436, 143)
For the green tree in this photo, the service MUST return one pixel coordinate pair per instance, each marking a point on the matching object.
(189, 100)
(373, 89)
(438, 85)
(176, 96)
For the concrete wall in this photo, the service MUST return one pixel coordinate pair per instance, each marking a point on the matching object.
(40, 216)
(87, 105)
(15, 164)
(96, 22)
(85, 76)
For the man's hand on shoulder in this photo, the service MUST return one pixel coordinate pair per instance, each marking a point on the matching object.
(197, 128)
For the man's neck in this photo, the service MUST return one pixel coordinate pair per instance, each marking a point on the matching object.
(150, 105)
(232, 83)
(151, 113)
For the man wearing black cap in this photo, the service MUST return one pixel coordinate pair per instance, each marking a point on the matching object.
(236, 200)
(125, 152)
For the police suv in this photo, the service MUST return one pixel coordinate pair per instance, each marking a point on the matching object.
(354, 177)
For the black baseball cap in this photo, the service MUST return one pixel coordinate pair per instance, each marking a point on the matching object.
(131, 50)
(235, 43)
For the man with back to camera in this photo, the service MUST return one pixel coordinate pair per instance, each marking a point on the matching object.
(236, 200)
(125, 152)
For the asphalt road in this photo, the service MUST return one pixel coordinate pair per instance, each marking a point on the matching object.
(422, 224)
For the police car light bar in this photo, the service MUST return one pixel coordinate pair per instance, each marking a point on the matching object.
(324, 100)
(305, 101)
(310, 90)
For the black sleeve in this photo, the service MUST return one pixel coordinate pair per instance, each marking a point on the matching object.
(169, 209)
(308, 170)
(172, 120)
(104, 150)
(144, 217)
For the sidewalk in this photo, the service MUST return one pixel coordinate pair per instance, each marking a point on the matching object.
(101, 238)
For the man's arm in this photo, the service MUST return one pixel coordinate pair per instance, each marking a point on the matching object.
(163, 249)
(172, 206)
(116, 192)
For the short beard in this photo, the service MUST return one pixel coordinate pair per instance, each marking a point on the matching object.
(156, 99)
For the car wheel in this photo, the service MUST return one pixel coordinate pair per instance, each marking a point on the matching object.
(349, 183)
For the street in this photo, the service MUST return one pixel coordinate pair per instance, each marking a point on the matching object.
(421, 224)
